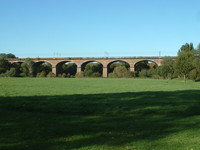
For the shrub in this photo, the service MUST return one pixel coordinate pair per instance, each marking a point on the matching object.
(51, 75)
(41, 74)
(80, 74)
(193, 74)
(11, 73)
(64, 75)
(120, 72)
(144, 73)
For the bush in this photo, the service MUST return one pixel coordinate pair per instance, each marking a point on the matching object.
(88, 73)
(96, 74)
(144, 73)
(64, 75)
(51, 75)
(41, 74)
(120, 72)
(193, 74)
(11, 73)
(80, 74)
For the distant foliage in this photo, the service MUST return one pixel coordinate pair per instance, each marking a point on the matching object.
(4, 55)
(5, 65)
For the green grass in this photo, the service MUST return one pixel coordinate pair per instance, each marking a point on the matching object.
(99, 114)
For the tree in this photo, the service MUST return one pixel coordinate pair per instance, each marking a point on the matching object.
(4, 55)
(4, 65)
(183, 63)
(27, 68)
(167, 68)
(11, 73)
(198, 47)
(195, 73)
(10, 55)
(187, 47)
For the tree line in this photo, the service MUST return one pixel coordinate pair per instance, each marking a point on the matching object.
(186, 65)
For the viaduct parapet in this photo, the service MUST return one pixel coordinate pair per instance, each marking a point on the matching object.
(80, 61)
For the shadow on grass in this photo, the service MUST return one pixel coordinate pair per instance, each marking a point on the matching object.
(109, 120)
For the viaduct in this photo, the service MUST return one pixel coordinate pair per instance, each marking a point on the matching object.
(82, 61)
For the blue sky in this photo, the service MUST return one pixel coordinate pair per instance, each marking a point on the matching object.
(97, 28)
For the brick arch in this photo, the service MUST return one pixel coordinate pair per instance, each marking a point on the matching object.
(103, 60)
(108, 65)
(86, 62)
(59, 65)
(144, 60)
(100, 70)
(36, 63)
(43, 61)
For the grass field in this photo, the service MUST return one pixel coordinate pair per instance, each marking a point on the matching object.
(99, 114)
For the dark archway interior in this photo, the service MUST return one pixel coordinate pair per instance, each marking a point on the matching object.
(92, 69)
(18, 67)
(42, 67)
(66, 68)
(111, 66)
(145, 64)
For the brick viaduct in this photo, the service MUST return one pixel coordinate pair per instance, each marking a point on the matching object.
(79, 61)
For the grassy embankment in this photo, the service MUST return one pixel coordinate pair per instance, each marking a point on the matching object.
(99, 114)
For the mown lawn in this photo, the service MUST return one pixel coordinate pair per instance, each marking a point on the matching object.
(99, 114)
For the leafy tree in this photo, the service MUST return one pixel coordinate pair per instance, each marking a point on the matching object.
(184, 60)
(4, 55)
(167, 68)
(195, 73)
(198, 47)
(186, 48)
(4, 65)
(11, 73)
(10, 55)
(27, 68)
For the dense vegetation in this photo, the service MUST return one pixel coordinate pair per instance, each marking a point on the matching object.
(94, 114)
(186, 65)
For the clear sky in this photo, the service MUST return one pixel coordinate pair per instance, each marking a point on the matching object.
(97, 28)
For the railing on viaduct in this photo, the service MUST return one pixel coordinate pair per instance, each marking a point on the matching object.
(79, 61)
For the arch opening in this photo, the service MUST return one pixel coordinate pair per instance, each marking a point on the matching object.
(18, 67)
(112, 65)
(145, 64)
(144, 68)
(66, 69)
(41, 69)
(92, 69)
